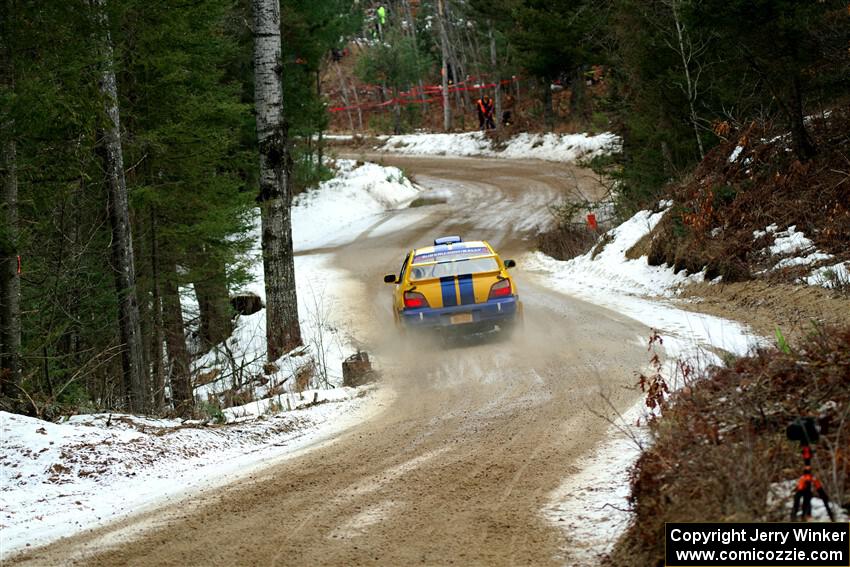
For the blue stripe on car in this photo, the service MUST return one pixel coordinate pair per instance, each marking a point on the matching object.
(447, 286)
(467, 291)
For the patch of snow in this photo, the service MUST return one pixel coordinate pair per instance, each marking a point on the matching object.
(610, 273)
(790, 241)
(591, 506)
(802, 260)
(768, 230)
(241, 358)
(733, 157)
(549, 147)
(830, 276)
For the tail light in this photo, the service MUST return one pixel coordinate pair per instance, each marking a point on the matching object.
(414, 300)
(501, 288)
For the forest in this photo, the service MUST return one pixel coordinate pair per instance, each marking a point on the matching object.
(139, 139)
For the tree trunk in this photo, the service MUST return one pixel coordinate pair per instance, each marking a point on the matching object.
(578, 94)
(157, 337)
(412, 22)
(357, 104)
(319, 138)
(497, 77)
(10, 280)
(283, 332)
(804, 148)
(691, 84)
(344, 93)
(444, 51)
(214, 308)
(548, 111)
(132, 357)
(180, 378)
(396, 113)
(457, 65)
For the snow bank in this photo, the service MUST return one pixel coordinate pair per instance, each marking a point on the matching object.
(241, 359)
(549, 147)
(341, 208)
(598, 277)
(790, 241)
(61, 478)
(638, 290)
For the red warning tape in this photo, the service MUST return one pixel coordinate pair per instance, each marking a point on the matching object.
(412, 96)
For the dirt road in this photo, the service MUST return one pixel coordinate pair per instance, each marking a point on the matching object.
(458, 467)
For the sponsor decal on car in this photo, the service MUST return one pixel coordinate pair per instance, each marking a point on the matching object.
(453, 251)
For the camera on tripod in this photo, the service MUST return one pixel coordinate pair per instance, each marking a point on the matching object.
(803, 430)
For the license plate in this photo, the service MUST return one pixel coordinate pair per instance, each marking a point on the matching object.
(461, 318)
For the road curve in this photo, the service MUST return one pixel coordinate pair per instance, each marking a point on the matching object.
(456, 470)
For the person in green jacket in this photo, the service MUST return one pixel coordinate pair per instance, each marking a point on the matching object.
(382, 21)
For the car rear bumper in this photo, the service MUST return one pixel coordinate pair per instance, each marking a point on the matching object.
(482, 314)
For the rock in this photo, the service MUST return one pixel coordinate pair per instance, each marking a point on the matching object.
(246, 303)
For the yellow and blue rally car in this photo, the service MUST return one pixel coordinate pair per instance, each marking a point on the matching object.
(455, 284)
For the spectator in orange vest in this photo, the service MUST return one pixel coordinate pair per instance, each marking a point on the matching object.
(485, 109)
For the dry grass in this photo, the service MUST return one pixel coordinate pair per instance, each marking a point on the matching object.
(566, 241)
(641, 248)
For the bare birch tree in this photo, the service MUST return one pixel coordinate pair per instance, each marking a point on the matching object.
(283, 332)
(689, 52)
(496, 71)
(132, 357)
(444, 53)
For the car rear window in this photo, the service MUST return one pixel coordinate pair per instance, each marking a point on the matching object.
(454, 268)
(450, 253)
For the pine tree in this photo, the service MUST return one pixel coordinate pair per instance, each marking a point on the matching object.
(787, 45)
(135, 371)
(10, 282)
(552, 41)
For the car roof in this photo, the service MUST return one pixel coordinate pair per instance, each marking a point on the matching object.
(470, 249)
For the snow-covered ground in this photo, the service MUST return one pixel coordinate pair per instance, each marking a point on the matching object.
(549, 147)
(60, 478)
